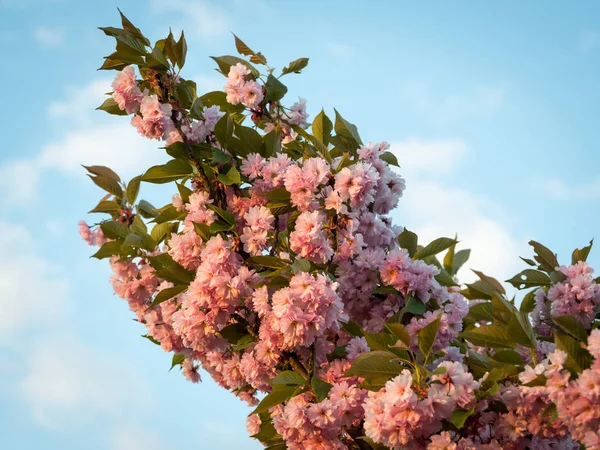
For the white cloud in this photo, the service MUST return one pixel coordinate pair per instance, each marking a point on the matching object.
(589, 40)
(209, 19)
(135, 438)
(209, 83)
(431, 156)
(433, 209)
(80, 102)
(50, 36)
(560, 190)
(68, 383)
(339, 49)
(481, 99)
(33, 289)
(91, 138)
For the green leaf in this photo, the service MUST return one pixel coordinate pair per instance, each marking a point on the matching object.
(279, 395)
(398, 330)
(168, 213)
(377, 364)
(219, 156)
(171, 171)
(380, 341)
(160, 231)
(529, 278)
(234, 332)
(132, 29)
(103, 171)
(224, 131)
(249, 139)
(275, 89)
(460, 258)
(495, 284)
(110, 185)
(225, 63)
(203, 231)
(508, 356)
(128, 39)
(109, 249)
(272, 142)
(460, 416)
(157, 60)
(111, 106)
(427, 337)
(227, 216)
(390, 158)
(415, 306)
(573, 326)
(165, 267)
(242, 48)
(219, 98)
(435, 247)
(322, 127)
(177, 360)
(528, 302)
(345, 129)
(320, 388)
(521, 331)
(138, 226)
(133, 189)
(353, 329)
(545, 257)
(295, 66)
(289, 377)
(267, 261)
(114, 230)
(408, 240)
(301, 265)
(167, 294)
(231, 177)
(489, 336)
(180, 50)
(581, 254)
(578, 358)
(106, 206)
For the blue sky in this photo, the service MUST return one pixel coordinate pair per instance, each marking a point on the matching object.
(492, 108)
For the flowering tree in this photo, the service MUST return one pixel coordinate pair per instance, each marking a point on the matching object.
(276, 269)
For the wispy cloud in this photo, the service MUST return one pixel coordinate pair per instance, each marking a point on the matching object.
(339, 49)
(559, 189)
(50, 36)
(91, 137)
(33, 289)
(432, 209)
(446, 107)
(208, 19)
(441, 155)
(68, 383)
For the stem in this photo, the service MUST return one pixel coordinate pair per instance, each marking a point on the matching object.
(297, 366)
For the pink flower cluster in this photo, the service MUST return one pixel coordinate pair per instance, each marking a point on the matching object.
(242, 90)
(197, 131)
(306, 424)
(259, 222)
(306, 310)
(578, 295)
(92, 237)
(396, 416)
(126, 93)
(408, 276)
(154, 120)
(309, 240)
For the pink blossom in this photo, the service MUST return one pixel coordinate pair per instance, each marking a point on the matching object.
(126, 92)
